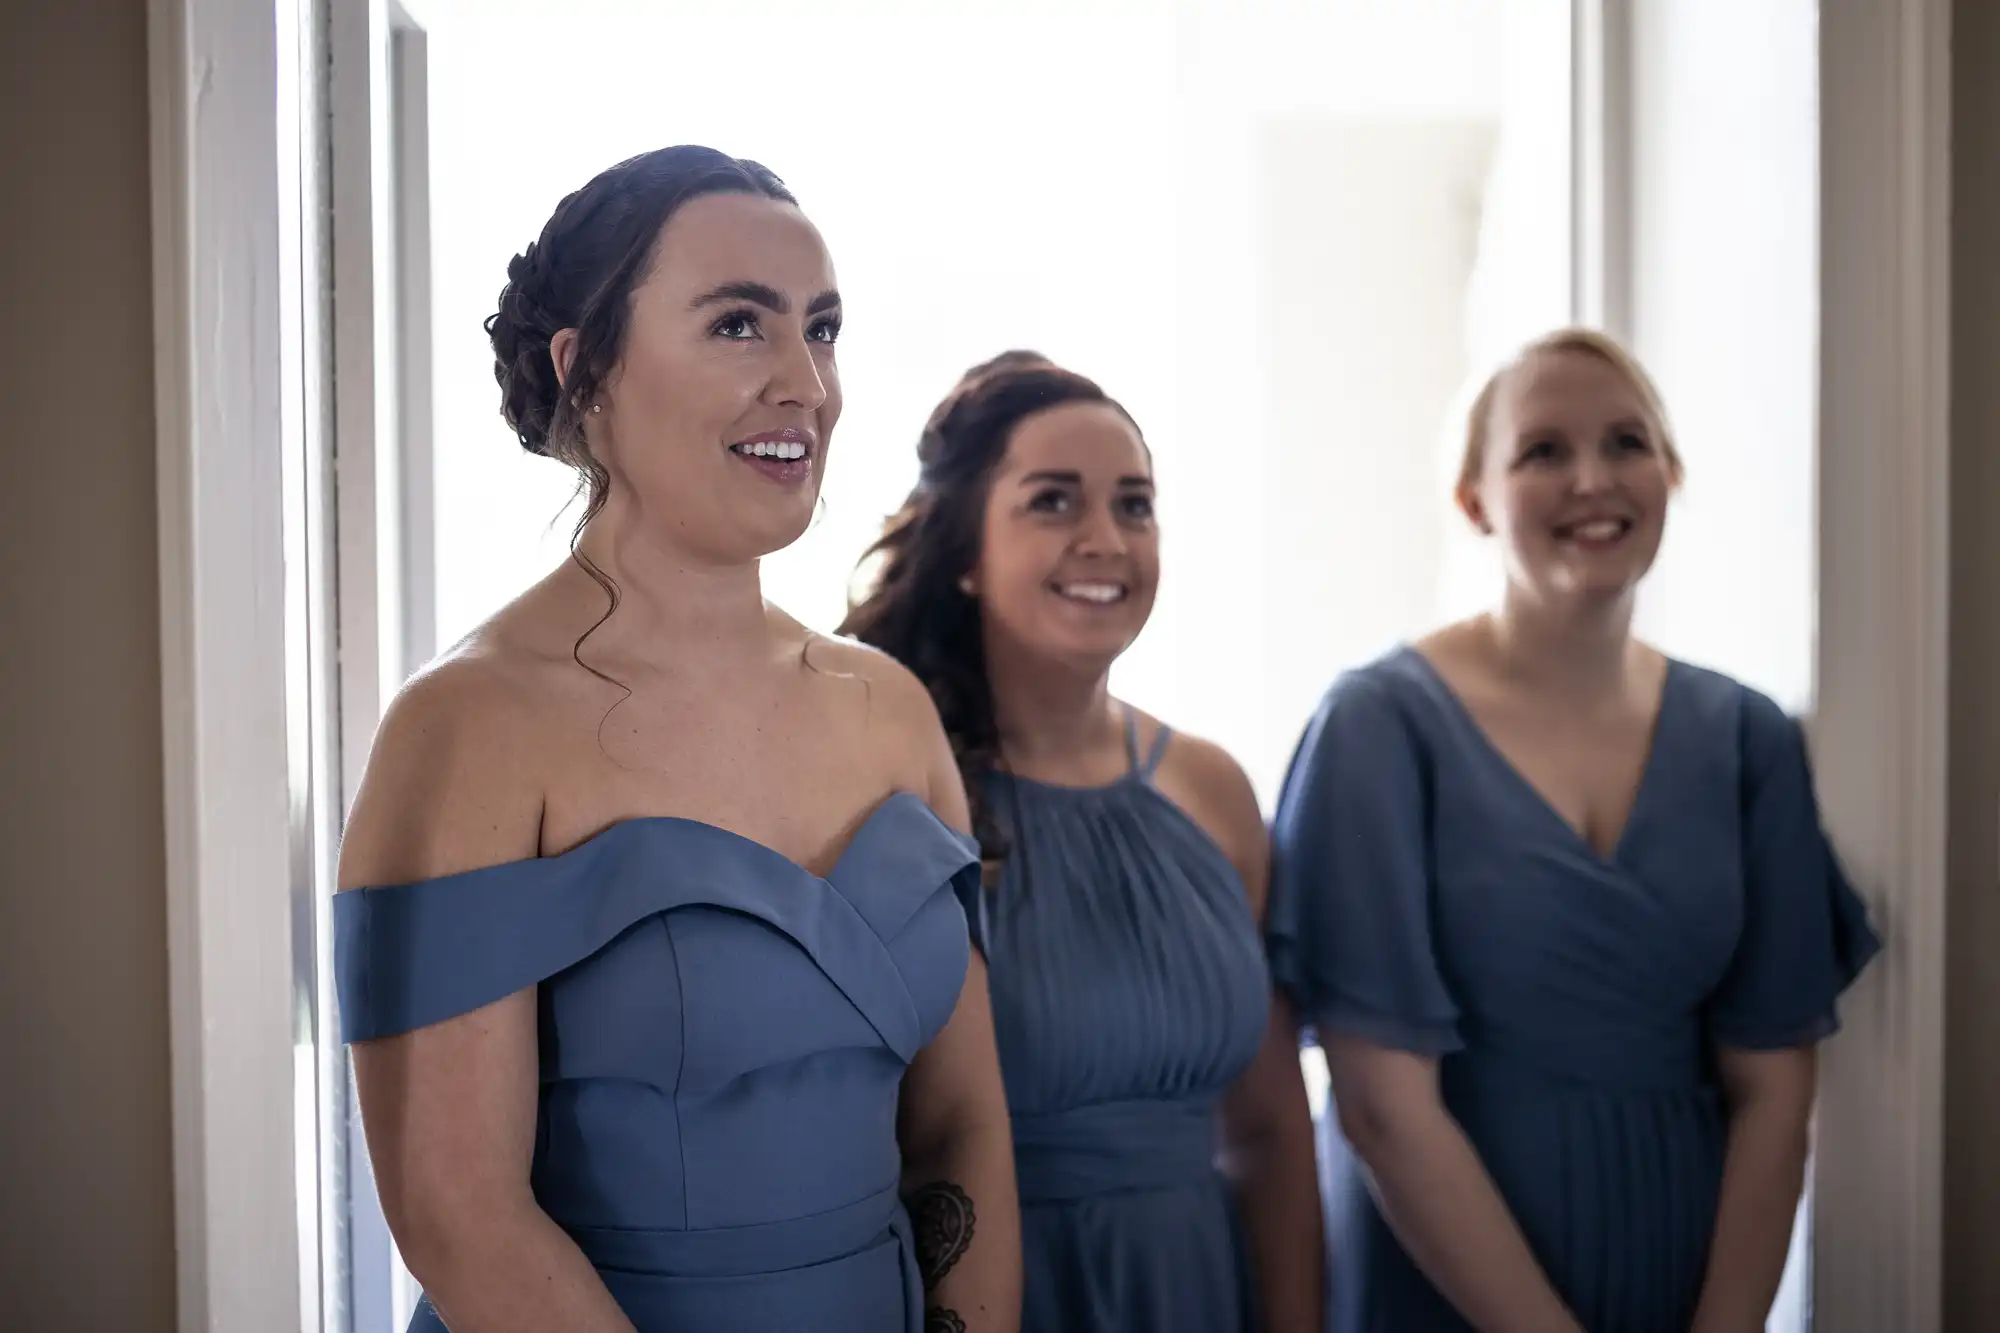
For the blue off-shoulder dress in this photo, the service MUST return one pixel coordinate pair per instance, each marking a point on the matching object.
(1428, 899)
(723, 1040)
(1129, 990)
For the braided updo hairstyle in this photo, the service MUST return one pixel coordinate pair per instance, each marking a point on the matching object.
(914, 608)
(580, 274)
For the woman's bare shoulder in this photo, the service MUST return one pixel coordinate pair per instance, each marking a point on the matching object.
(893, 702)
(894, 715)
(452, 781)
(1208, 782)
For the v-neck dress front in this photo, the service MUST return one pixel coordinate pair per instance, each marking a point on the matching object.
(1427, 898)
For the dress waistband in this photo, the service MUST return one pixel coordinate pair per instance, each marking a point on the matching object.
(732, 1251)
(850, 1270)
(1114, 1146)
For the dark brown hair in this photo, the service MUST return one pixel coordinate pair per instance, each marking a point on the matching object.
(913, 607)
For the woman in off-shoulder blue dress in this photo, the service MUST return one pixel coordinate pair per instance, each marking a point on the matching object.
(1604, 1011)
(650, 943)
(723, 1039)
(1161, 1134)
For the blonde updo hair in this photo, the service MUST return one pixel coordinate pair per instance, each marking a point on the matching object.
(1582, 342)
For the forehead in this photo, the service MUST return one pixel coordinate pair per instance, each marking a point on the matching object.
(1094, 439)
(720, 238)
(1563, 385)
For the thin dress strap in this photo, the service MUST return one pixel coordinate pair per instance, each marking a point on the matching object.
(1144, 769)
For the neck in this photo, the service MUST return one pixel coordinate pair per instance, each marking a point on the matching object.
(668, 599)
(1582, 650)
(1046, 714)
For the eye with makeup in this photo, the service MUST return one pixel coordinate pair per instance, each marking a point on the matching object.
(1051, 500)
(1136, 506)
(736, 326)
(742, 326)
(1630, 441)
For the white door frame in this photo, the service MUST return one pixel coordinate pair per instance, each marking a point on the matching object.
(220, 316)
(385, 495)
(256, 715)
(1880, 733)
(220, 307)
(1601, 164)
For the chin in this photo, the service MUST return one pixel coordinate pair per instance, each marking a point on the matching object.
(773, 529)
(1088, 652)
(1598, 590)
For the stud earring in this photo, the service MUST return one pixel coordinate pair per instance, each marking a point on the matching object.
(965, 584)
(596, 409)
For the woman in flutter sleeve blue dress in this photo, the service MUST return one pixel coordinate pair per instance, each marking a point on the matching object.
(650, 945)
(1563, 916)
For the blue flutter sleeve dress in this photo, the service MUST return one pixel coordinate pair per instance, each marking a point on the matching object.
(1426, 898)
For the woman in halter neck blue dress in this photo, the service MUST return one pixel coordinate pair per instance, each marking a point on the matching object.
(1129, 992)
(650, 940)
(1139, 1041)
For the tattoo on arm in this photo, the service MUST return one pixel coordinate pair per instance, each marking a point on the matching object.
(942, 1215)
(943, 1321)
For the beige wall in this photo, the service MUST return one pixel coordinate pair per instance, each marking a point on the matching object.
(1972, 1139)
(86, 1199)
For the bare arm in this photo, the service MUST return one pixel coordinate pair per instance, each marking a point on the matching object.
(1267, 1129)
(449, 1110)
(1266, 1122)
(1435, 1193)
(1769, 1095)
(958, 1145)
(958, 1174)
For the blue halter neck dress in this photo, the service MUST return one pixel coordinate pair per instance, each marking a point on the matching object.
(1129, 991)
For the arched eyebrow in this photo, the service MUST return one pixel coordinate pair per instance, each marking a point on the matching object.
(1073, 478)
(762, 294)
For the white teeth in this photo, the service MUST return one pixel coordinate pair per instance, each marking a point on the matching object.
(1600, 530)
(1102, 593)
(783, 450)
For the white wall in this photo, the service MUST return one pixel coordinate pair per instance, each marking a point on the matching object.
(1370, 233)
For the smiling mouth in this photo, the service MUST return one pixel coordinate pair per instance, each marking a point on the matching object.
(1595, 532)
(1092, 592)
(782, 451)
(786, 459)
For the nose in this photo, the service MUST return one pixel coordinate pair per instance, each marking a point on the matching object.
(795, 382)
(1593, 473)
(1100, 534)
